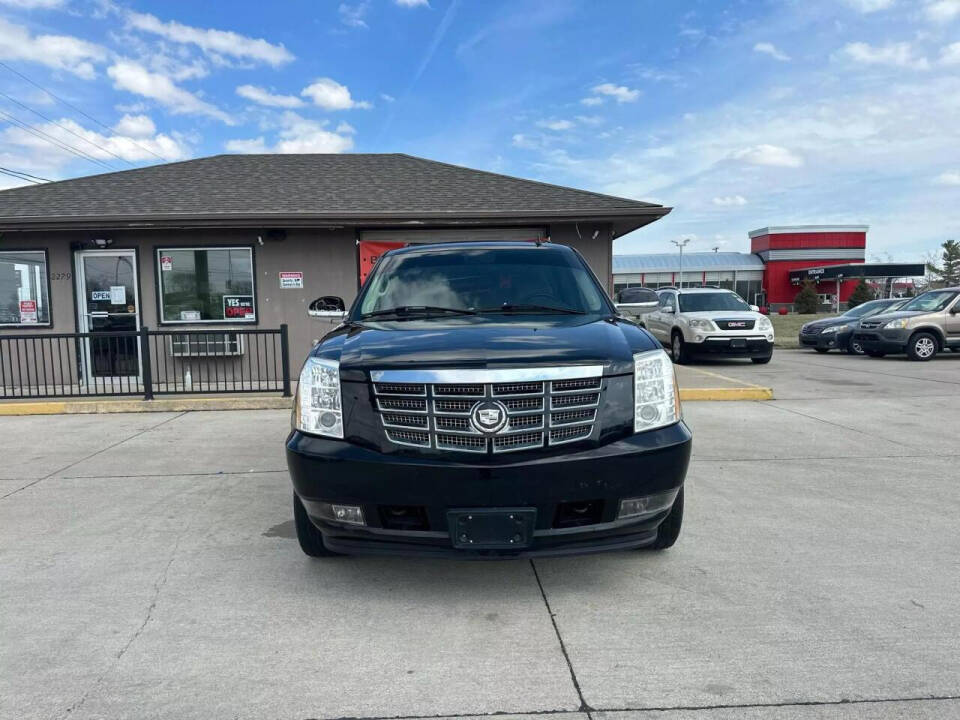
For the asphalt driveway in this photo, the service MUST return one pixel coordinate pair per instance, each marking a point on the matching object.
(148, 569)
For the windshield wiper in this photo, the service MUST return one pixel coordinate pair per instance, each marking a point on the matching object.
(508, 307)
(417, 311)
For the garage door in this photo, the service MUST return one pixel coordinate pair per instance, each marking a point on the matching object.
(374, 243)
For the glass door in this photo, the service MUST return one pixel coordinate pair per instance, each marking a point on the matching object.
(108, 304)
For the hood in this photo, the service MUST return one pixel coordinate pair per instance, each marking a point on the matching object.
(886, 317)
(484, 342)
(829, 322)
(723, 315)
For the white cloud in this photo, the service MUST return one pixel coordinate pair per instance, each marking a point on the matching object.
(129, 141)
(772, 155)
(264, 97)
(346, 128)
(524, 141)
(592, 101)
(135, 78)
(216, 43)
(898, 54)
(771, 50)
(60, 52)
(331, 95)
(730, 201)
(556, 125)
(412, 3)
(297, 135)
(869, 6)
(353, 15)
(951, 177)
(387, 98)
(950, 55)
(33, 4)
(620, 93)
(135, 126)
(589, 120)
(942, 11)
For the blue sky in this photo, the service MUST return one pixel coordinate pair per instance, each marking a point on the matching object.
(738, 114)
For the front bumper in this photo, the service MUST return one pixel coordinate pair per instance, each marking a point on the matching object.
(755, 346)
(332, 471)
(885, 341)
(826, 341)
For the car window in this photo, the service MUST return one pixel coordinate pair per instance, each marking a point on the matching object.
(932, 301)
(868, 308)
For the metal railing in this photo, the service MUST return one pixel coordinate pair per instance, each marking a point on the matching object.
(145, 362)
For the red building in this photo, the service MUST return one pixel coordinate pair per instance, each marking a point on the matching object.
(787, 248)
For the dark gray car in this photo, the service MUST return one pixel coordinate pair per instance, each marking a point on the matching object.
(837, 333)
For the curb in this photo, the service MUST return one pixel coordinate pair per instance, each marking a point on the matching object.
(736, 393)
(85, 407)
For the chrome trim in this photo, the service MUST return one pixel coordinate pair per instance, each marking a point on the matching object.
(516, 448)
(377, 391)
(589, 421)
(486, 376)
(471, 430)
(560, 408)
(576, 438)
(382, 409)
(410, 444)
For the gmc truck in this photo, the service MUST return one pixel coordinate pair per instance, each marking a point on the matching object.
(486, 400)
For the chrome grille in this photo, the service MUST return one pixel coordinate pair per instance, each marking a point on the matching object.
(870, 324)
(545, 406)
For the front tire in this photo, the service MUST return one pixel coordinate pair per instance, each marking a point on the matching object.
(854, 347)
(678, 349)
(922, 346)
(669, 529)
(308, 535)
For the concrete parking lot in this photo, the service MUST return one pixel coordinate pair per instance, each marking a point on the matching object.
(148, 569)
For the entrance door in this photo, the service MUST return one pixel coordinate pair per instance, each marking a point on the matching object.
(108, 303)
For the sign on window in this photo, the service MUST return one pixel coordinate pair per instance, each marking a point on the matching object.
(238, 307)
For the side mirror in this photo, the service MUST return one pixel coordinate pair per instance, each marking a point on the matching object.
(328, 306)
(667, 309)
(636, 301)
(755, 308)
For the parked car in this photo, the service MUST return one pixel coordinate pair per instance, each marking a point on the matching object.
(483, 400)
(837, 333)
(710, 321)
(921, 328)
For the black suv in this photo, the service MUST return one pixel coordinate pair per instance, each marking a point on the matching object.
(837, 333)
(486, 400)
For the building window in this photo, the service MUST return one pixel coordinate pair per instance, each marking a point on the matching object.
(24, 288)
(206, 285)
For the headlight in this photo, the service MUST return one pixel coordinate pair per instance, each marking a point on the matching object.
(318, 398)
(656, 398)
(896, 324)
(764, 324)
(699, 324)
(832, 329)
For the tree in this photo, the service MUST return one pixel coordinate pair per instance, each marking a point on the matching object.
(861, 294)
(947, 273)
(806, 300)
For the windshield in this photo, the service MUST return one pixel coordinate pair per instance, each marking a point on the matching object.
(702, 302)
(930, 301)
(482, 280)
(869, 308)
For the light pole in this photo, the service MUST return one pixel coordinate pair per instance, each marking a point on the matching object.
(681, 244)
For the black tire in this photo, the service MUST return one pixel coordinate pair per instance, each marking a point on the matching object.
(678, 349)
(854, 347)
(922, 346)
(822, 350)
(310, 538)
(876, 353)
(669, 529)
(762, 360)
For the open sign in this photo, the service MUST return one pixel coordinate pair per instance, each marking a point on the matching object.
(238, 307)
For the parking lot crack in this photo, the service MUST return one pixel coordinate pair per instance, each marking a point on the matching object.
(91, 455)
(584, 707)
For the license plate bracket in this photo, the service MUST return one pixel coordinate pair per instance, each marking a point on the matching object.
(738, 343)
(492, 528)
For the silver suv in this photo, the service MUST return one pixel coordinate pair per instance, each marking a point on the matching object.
(710, 321)
(923, 327)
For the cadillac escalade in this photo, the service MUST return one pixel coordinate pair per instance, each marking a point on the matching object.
(486, 400)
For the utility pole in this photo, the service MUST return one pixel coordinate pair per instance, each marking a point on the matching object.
(681, 244)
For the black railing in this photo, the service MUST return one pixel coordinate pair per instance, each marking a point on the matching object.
(146, 362)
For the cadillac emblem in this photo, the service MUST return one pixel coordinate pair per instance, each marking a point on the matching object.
(488, 416)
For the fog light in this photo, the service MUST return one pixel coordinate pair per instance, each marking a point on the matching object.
(770, 337)
(698, 338)
(647, 505)
(349, 514)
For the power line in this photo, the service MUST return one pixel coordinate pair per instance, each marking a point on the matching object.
(19, 177)
(76, 109)
(26, 176)
(66, 129)
(59, 143)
